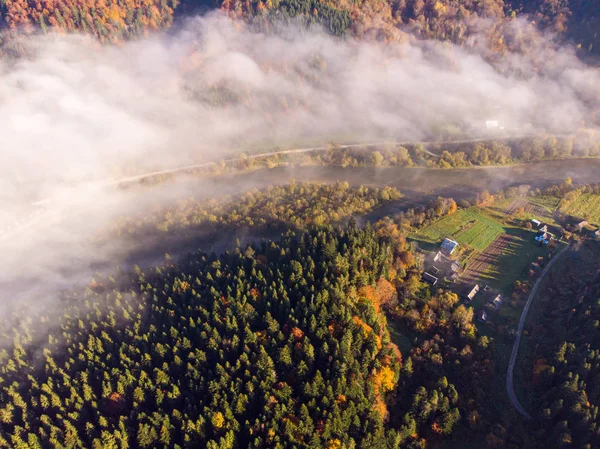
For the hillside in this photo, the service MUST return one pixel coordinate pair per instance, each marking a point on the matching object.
(283, 345)
(451, 20)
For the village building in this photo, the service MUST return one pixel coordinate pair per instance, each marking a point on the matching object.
(455, 267)
(496, 302)
(430, 278)
(544, 237)
(482, 316)
(536, 223)
(473, 292)
(448, 247)
(581, 225)
(597, 234)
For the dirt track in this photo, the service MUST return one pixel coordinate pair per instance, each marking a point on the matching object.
(485, 259)
(510, 386)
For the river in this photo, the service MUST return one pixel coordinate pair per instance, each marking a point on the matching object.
(57, 249)
(418, 185)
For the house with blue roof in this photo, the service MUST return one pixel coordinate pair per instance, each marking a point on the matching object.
(449, 246)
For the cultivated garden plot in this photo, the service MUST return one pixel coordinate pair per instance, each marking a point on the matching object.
(586, 206)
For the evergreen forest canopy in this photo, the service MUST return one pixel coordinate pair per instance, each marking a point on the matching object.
(325, 338)
(282, 345)
(566, 360)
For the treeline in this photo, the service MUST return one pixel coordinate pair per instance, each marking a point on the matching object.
(280, 345)
(419, 216)
(295, 205)
(446, 20)
(442, 155)
(113, 20)
(565, 372)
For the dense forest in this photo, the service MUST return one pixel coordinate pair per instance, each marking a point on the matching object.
(281, 345)
(452, 20)
(565, 372)
(297, 205)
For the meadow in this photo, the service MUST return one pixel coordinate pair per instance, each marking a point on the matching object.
(469, 227)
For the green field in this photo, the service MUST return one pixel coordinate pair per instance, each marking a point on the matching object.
(586, 206)
(513, 262)
(547, 201)
(469, 227)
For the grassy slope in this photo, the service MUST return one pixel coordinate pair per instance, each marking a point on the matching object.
(469, 227)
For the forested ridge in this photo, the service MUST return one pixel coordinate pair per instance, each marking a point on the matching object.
(453, 20)
(282, 345)
(565, 375)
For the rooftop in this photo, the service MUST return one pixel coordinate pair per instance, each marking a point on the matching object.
(430, 278)
(448, 246)
(473, 292)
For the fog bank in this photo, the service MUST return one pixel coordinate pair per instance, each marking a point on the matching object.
(75, 111)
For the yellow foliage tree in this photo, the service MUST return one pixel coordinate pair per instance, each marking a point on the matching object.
(217, 420)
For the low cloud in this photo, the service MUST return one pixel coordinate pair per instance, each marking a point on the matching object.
(75, 111)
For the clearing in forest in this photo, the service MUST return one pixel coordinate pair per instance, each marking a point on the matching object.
(469, 227)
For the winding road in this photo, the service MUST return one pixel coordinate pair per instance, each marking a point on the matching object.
(510, 386)
(37, 218)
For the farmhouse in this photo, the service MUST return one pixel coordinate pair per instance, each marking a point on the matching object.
(448, 246)
(544, 237)
(430, 278)
(496, 302)
(473, 292)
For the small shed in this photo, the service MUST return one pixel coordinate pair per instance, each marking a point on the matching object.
(597, 233)
(473, 292)
(455, 267)
(482, 316)
(449, 246)
(496, 302)
(581, 225)
(536, 223)
(430, 278)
